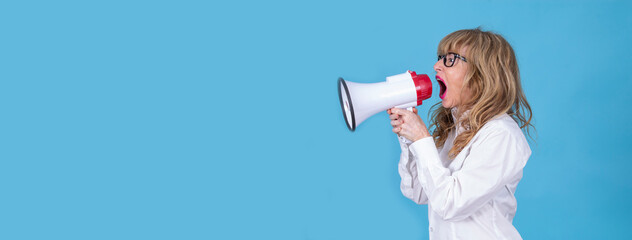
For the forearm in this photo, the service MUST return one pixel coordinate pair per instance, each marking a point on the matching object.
(407, 169)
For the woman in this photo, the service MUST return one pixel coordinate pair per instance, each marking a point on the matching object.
(467, 171)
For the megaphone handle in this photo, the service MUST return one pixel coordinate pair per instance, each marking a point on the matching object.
(403, 139)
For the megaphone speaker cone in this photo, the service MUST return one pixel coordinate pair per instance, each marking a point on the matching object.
(345, 104)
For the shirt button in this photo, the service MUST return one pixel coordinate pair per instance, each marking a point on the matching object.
(431, 229)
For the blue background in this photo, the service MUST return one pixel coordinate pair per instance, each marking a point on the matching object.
(221, 120)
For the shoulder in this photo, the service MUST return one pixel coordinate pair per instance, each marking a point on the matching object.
(503, 130)
(503, 123)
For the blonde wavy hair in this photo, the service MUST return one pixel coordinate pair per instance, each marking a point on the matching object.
(493, 79)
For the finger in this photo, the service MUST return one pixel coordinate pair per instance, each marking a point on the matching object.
(396, 111)
(396, 129)
(396, 123)
(405, 131)
(393, 116)
(388, 111)
(402, 132)
(415, 110)
(399, 111)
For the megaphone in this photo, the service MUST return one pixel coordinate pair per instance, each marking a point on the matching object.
(359, 101)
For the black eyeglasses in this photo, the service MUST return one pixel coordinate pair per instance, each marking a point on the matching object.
(450, 58)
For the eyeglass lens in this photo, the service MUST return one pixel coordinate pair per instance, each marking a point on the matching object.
(449, 59)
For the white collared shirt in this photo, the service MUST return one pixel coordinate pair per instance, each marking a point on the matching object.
(472, 196)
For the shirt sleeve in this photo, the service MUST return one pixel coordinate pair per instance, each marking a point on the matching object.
(407, 168)
(494, 160)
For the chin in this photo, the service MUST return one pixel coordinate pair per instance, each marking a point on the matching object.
(445, 104)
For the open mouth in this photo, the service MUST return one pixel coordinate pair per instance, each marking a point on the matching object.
(442, 87)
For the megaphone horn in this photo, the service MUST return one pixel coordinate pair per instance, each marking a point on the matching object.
(359, 101)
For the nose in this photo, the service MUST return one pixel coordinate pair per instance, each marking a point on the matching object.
(438, 66)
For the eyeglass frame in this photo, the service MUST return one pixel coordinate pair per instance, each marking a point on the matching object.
(444, 57)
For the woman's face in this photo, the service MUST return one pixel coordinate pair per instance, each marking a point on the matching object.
(450, 79)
